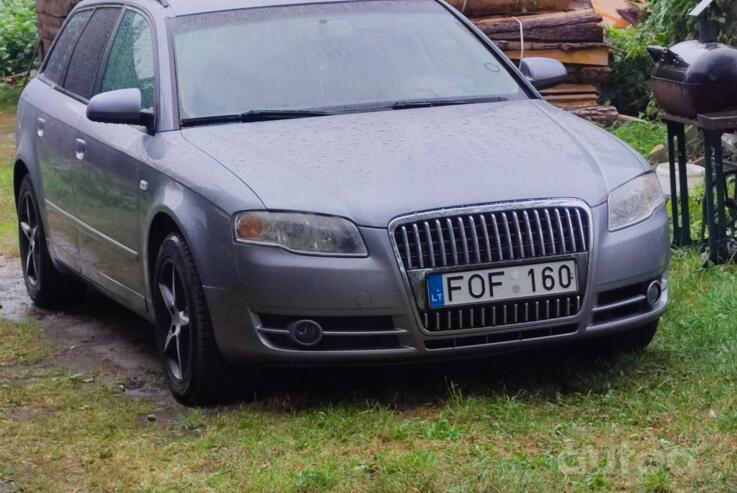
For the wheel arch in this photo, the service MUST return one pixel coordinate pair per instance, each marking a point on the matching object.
(20, 171)
(206, 230)
(161, 226)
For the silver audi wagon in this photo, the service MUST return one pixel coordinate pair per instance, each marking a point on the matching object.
(326, 183)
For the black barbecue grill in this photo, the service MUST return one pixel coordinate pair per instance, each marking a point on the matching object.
(695, 83)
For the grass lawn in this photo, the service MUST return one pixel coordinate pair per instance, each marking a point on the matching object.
(8, 237)
(663, 420)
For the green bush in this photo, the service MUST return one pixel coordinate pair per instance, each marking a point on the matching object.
(18, 35)
(628, 87)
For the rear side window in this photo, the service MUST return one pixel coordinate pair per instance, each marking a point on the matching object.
(56, 67)
(131, 62)
(89, 51)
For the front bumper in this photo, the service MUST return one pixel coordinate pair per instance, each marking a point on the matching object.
(276, 287)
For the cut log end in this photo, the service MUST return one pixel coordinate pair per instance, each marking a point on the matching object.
(603, 115)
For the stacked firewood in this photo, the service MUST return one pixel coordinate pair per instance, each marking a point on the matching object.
(567, 30)
(51, 15)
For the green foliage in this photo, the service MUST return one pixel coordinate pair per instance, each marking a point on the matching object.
(18, 35)
(9, 96)
(628, 87)
(642, 136)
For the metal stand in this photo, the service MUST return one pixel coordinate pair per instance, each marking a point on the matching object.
(677, 149)
(720, 211)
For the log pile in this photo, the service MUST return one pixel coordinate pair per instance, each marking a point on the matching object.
(619, 13)
(567, 30)
(51, 15)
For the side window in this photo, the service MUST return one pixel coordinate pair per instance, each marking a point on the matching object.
(131, 62)
(56, 66)
(89, 52)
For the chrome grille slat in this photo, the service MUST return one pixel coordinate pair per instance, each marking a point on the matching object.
(429, 243)
(510, 245)
(408, 253)
(418, 245)
(475, 237)
(571, 231)
(550, 232)
(487, 240)
(464, 240)
(560, 231)
(497, 237)
(454, 247)
(439, 229)
(540, 232)
(581, 230)
(531, 239)
(518, 230)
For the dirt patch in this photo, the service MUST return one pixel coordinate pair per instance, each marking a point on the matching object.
(98, 338)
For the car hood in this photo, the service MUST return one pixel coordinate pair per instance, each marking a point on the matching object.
(373, 167)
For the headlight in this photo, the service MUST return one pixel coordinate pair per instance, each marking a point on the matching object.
(309, 234)
(634, 201)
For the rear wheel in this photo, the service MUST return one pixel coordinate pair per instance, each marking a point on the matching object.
(46, 286)
(193, 364)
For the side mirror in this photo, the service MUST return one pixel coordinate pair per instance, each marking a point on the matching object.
(543, 72)
(124, 106)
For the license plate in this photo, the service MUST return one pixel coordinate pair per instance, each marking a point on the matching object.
(508, 283)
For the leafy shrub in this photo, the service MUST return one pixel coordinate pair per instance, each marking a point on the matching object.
(628, 87)
(642, 136)
(18, 35)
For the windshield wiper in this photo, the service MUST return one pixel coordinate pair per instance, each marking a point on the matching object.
(430, 103)
(266, 115)
(254, 116)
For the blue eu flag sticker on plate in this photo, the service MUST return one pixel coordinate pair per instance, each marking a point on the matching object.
(435, 291)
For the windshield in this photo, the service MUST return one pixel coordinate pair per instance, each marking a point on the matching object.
(331, 56)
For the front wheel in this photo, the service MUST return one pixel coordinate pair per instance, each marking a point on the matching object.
(634, 339)
(638, 338)
(193, 364)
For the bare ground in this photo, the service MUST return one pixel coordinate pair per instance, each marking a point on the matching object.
(98, 338)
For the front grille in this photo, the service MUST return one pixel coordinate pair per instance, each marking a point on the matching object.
(472, 239)
(502, 314)
(488, 236)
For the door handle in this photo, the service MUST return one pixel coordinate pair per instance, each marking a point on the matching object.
(80, 147)
(40, 126)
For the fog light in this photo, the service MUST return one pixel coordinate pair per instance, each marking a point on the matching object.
(654, 293)
(306, 333)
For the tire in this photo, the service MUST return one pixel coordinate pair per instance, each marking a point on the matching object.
(635, 339)
(192, 361)
(638, 338)
(47, 287)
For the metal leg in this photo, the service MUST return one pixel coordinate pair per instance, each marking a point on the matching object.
(683, 176)
(709, 196)
(716, 142)
(727, 249)
(677, 233)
